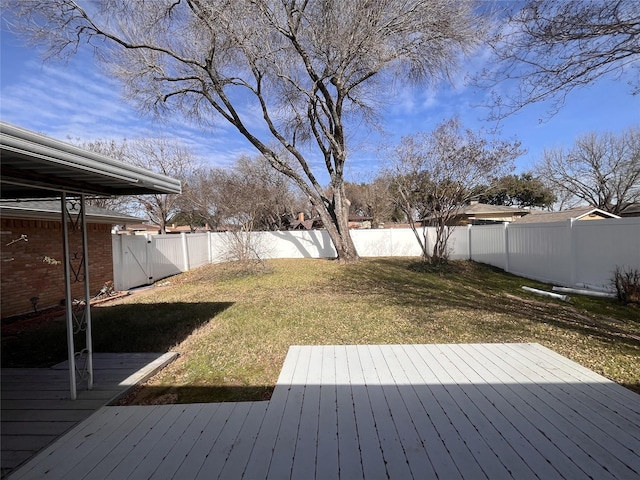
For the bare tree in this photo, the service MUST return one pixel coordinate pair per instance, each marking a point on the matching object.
(602, 170)
(168, 157)
(253, 196)
(300, 74)
(371, 199)
(550, 47)
(435, 174)
(197, 205)
(117, 151)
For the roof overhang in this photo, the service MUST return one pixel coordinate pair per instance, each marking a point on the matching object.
(51, 210)
(36, 166)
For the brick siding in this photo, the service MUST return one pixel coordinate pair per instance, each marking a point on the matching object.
(28, 268)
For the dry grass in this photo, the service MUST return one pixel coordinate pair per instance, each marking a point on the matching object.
(238, 353)
(233, 330)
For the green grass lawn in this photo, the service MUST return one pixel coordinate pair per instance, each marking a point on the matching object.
(233, 329)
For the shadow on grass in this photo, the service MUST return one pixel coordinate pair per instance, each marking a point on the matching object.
(127, 328)
(161, 395)
(477, 287)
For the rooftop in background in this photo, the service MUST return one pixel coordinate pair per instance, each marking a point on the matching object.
(36, 166)
(50, 210)
(579, 213)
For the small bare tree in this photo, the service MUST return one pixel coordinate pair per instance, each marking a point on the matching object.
(117, 151)
(435, 174)
(550, 47)
(299, 74)
(168, 157)
(602, 170)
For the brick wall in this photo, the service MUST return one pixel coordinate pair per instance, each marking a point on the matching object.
(29, 269)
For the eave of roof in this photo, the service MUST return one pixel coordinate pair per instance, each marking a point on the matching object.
(565, 215)
(36, 166)
(50, 210)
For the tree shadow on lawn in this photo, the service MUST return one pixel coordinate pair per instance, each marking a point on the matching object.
(477, 287)
(125, 328)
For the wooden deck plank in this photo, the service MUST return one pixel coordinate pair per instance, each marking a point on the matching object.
(412, 445)
(349, 461)
(217, 457)
(178, 452)
(285, 443)
(451, 400)
(494, 454)
(395, 411)
(601, 411)
(33, 396)
(438, 408)
(238, 458)
(102, 461)
(371, 457)
(207, 443)
(514, 450)
(306, 445)
(176, 420)
(327, 463)
(260, 460)
(602, 441)
(535, 422)
(54, 460)
(439, 457)
(605, 395)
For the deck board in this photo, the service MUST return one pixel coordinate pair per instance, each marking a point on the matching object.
(379, 411)
(36, 408)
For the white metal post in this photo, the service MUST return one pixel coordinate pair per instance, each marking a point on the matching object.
(87, 296)
(67, 298)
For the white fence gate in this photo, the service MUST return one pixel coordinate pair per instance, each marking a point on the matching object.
(565, 253)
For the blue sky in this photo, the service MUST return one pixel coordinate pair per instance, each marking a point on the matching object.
(74, 100)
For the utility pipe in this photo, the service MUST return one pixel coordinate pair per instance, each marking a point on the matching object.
(579, 291)
(564, 298)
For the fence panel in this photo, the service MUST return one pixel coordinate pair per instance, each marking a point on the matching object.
(585, 252)
(541, 251)
(488, 245)
(131, 267)
(198, 249)
(166, 254)
(602, 245)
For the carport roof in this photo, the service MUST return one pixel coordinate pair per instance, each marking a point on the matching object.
(36, 166)
(50, 210)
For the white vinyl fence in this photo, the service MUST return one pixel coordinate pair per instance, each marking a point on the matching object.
(562, 253)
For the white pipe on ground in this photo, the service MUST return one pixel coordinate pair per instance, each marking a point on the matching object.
(589, 293)
(564, 298)
(587, 286)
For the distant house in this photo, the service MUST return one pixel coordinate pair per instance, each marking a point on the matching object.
(579, 213)
(477, 213)
(631, 210)
(32, 275)
(311, 224)
(360, 221)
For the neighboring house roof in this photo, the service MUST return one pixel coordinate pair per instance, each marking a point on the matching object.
(486, 209)
(307, 224)
(579, 213)
(50, 210)
(631, 210)
(36, 166)
(476, 210)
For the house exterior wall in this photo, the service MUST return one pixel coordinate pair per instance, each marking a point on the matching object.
(30, 268)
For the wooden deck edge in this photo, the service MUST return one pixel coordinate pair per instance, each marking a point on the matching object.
(142, 375)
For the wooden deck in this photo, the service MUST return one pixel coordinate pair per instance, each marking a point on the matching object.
(36, 408)
(404, 411)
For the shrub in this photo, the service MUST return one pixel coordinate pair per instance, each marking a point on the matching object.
(627, 284)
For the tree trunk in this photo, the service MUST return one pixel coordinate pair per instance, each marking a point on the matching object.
(335, 218)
